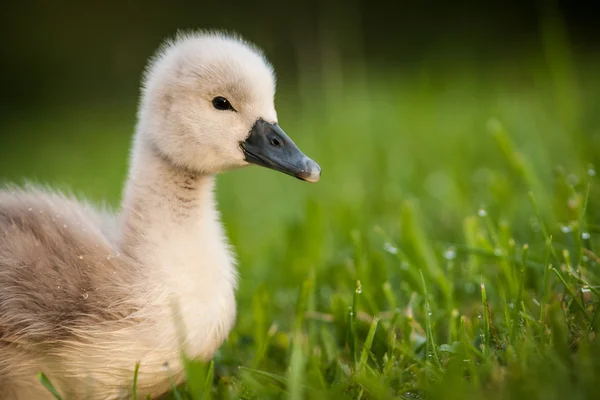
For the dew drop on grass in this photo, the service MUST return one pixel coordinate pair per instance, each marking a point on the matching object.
(497, 252)
(450, 254)
(591, 171)
(390, 248)
(565, 228)
(585, 235)
(481, 212)
(358, 287)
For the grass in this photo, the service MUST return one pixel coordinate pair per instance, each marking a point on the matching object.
(451, 249)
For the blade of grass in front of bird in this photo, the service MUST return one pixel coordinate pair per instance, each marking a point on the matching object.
(48, 385)
(196, 373)
(135, 379)
(210, 376)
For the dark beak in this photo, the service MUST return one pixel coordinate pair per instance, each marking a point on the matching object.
(270, 147)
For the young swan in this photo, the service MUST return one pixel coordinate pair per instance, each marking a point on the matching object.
(84, 295)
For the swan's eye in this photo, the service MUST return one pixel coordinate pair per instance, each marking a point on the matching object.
(221, 103)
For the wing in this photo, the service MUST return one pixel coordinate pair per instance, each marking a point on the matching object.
(59, 269)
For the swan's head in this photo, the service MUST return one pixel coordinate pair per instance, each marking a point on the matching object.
(207, 105)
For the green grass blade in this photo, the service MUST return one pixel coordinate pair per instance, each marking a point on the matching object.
(542, 224)
(431, 351)
(296, 371)
(48, 385)
(486, 321)
(573, 296)
(135, 379)
(352, 323)
(546, 281)
(364, 356)
(208, 383)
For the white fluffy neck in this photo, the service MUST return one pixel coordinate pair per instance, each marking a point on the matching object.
(161, 199)
(171, 226)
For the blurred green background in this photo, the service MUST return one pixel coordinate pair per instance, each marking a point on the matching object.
(454, 106)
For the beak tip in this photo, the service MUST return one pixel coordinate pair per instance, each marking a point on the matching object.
(312, 173)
